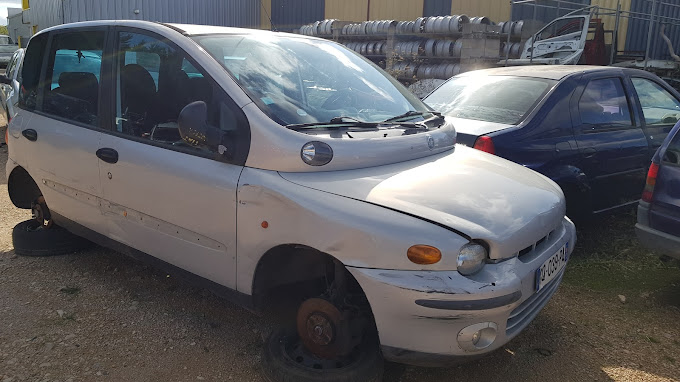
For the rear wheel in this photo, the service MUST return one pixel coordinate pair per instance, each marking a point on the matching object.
(30, 238)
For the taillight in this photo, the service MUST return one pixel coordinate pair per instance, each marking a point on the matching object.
(648, 192)
(485, 143)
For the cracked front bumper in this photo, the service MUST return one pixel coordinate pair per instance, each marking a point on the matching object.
(420, 314)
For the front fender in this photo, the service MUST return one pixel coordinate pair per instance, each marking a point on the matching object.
(274, 211)
(568, 175)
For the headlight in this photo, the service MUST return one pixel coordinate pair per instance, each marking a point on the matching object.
(471, 258)
(316, 153)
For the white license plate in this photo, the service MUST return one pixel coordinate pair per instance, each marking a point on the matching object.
(552, 267)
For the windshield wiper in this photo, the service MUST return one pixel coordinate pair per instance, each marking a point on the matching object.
(412, 113)
(337, 122)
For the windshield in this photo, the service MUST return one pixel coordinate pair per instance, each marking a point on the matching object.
(302, 81)
(498, 99)
(8, 48)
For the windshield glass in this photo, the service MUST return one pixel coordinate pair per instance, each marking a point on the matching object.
(499, 99)
(8, 48)
(301, 81)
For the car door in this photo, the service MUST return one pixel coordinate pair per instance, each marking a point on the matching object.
(9, 73)
(163, 196)
(613, 148)
(60, 124)
(660, 109)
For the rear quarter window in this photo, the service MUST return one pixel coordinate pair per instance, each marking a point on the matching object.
(672, 154)
(30, 72)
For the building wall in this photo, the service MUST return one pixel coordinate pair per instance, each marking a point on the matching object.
(494, 9)
(288, 15)
(395, 10)
(347, 10)
(608, 6)
(18, 29)
(668, 13)
(239, 13)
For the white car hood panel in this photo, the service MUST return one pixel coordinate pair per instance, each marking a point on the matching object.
(480, 195)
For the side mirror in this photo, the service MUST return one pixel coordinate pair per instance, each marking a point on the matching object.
(5, 80)
(195, 130)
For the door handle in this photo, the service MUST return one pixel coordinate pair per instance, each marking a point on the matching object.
(30, 134)
(108, 155)
(589, 152)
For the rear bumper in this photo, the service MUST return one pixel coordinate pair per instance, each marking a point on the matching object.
(423, 316)
(655, 239)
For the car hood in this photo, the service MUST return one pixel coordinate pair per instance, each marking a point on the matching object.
(480, 196)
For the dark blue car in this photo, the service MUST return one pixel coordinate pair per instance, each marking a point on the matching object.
(658, 225)
(593, 130)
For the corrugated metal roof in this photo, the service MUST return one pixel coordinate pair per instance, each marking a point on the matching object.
(668, 13)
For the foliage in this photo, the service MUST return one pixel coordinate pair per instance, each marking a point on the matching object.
(3, 30)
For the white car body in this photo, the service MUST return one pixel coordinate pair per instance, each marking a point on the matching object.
(378, 196)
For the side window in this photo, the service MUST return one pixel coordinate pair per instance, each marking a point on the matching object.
(74, 70)
(659, 107)
(10, 66)
(604, 104)
(672, 154)
(155, 81)
(30, 72)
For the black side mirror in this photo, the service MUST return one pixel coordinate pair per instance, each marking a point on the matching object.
(5, 80)
(195, 130)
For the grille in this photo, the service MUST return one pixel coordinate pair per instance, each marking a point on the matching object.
(538, 244)
(526, 311)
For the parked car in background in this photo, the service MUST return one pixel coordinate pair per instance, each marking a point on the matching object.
(9, 91)
(658, 217)
(9, 84)
(592, 130)
(7, 49)
(256, 162)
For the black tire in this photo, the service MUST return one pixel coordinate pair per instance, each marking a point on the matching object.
(30, 239)
(278, 366)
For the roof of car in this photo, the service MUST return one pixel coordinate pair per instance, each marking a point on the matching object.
(187, 29)
(552, 72)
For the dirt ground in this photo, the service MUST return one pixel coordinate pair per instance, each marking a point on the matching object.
(100, 316)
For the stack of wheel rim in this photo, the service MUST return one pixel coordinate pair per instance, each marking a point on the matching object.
(369, 48)
(405, 70)
(512, 27)
(319, 28)
(369, 28)
(480, 20)
(409, 48)
(441, 24)
(439, 71)
(442, 48)
(512, 50)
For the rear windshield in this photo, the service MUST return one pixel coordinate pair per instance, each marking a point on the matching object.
(499, 99)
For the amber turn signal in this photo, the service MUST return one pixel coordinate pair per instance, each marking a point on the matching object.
(424, 254)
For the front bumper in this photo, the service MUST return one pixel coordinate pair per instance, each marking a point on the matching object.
(420, 315)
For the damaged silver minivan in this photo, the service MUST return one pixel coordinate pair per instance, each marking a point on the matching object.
(280, 168)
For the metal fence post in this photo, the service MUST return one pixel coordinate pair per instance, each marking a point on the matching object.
(531, 58)
(649, 33)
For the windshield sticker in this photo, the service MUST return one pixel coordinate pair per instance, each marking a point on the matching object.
(301, 112)
(267, 100)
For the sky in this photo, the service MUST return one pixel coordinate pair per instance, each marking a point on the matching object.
(4, 4)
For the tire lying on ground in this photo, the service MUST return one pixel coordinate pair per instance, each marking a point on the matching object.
(283, 361)
(31, 239)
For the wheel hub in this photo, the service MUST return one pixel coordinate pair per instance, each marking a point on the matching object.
(322, 329)
(41, 213)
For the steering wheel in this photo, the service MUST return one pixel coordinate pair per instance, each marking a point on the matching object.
(342, 98)
(670, 118)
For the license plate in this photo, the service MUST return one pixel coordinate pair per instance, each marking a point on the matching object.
(552, 267)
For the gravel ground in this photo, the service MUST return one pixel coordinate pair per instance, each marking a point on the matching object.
(100, 316)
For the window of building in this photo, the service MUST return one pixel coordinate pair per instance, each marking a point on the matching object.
(604, 104)
(659, 107)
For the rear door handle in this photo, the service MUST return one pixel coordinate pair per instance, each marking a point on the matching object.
(30, 134)
(108, 155)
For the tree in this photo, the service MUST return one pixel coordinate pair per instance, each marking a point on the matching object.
(3, 30)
